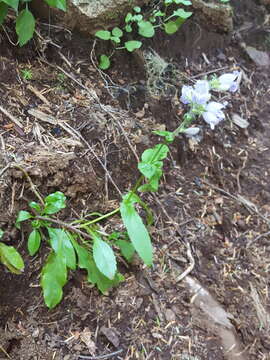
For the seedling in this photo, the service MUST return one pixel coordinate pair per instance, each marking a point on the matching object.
(27, 74)
(145, 26)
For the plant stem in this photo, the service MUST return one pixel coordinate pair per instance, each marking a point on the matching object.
(183, 126)
(98, 219)
(65, 225)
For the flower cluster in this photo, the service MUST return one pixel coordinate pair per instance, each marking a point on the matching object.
(198, 97)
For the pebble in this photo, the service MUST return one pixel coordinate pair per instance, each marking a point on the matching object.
(169, 315)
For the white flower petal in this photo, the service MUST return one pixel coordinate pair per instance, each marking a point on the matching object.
(214, 106)
(211, 119)
(192, 131)
(202, 86)
(227, 80)
(187, 93)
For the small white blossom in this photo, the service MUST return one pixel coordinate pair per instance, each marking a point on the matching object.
(201, 92)
(187, 94)
(192, 131)
(213, 114)
(228, 82)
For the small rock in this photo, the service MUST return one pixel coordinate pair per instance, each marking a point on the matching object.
(85, 337)
(35, 333)
(111, 335)
(169, 315)
(261, 58)
(239, 121)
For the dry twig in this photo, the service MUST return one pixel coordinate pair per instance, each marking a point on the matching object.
(100, 357)
(11, 117)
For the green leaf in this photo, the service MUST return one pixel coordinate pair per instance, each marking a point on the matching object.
(136, 229)
(103, 283)
(126, 248)
(53, 278)
(137, 9)
(36, 224)
(1, 233)
(12, 3)
(104, 62)
(148, 170)
(128, 18)
(10, 257)
(128, 28)
(185, 2)
(182, 13)
(59, 4)
(22, 216)
(3, 12)
(157, 153)
(171, 27)
(33, 242)
(117, 32)
(85, 261)
(35, 205)
(115, 39)
(61, 243)
(137, 18)
(159, 13)
(168, 135)
(104, 258)
(54, 202)
(25, 26)
(132, 45)
(146, 29)
(103, 34)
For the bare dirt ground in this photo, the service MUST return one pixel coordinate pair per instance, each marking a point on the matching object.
(211, 213)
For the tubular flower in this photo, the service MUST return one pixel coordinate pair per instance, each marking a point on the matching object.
(227, 82)
(213, 114)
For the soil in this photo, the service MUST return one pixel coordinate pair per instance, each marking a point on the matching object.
(212, 207)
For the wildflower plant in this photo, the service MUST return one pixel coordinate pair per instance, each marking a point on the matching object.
(83, 244)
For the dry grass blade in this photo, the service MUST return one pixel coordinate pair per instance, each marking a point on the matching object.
(11, 117)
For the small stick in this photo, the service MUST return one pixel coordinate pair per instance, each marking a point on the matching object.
(100, 357)
(258, 238)
(241, 200)
(33, 187)
(11, 117)
(191, 266)
(4, 351)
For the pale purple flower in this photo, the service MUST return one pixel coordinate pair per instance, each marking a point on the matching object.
(187, 94)
(228, 82)
(213, 114)
(201, 92)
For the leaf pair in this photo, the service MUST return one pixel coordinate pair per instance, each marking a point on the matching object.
(151, 166)
(95, 276)
(173, 26)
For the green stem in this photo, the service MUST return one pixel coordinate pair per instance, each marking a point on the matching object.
(184, 125)
(98, 219)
